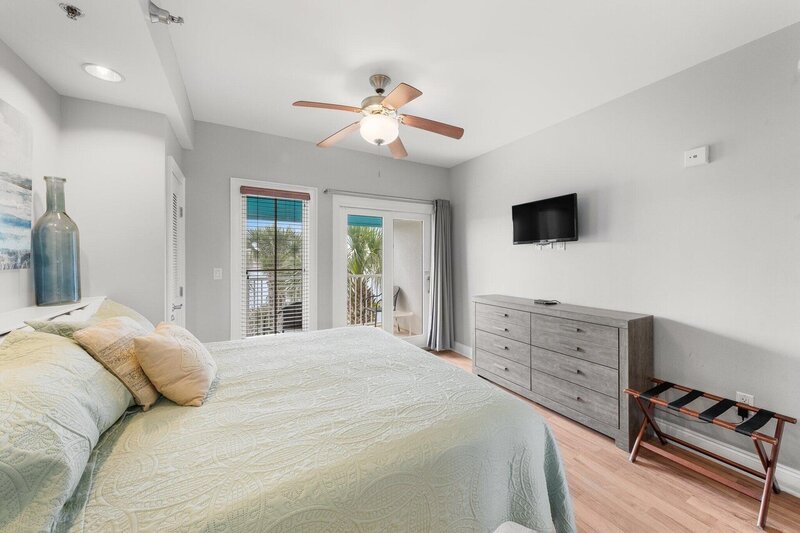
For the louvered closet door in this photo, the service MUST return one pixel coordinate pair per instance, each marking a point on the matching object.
(176, 237)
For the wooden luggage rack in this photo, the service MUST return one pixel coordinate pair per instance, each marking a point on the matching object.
(749, 428)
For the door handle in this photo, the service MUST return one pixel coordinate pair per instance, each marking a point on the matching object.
(176, 307)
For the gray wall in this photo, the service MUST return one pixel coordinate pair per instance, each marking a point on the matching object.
(713, 252)
(221, 153)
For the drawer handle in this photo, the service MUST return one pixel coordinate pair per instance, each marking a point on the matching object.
(498, 328)
(567, 369)
(501, 347)
(578, 349)
(501, 367)
(578, 330)
(579, 398)
(504, 315)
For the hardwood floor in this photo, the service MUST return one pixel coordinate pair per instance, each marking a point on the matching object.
(654, 495)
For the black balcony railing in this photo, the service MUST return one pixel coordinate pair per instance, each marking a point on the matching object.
(275, 301)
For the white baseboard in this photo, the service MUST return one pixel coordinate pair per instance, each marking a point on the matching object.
(788, 478)
(463, 349)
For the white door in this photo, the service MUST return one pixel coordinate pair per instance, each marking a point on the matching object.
(176, 239)
(381, 271)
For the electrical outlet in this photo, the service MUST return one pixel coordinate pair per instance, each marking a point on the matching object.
(743, 397)
(695, 156)
(216, 274)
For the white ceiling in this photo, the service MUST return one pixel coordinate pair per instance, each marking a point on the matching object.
(115, 34)
(500, 70)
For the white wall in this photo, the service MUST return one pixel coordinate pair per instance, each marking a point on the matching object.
(712, 252)
(114, 161)
(22, 88)
(221, 153)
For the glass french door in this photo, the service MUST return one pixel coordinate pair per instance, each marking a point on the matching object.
(382, 266)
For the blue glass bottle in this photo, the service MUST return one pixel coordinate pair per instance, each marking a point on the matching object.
(56, 251)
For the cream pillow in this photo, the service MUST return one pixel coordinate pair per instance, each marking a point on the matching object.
(111, 309)
(111, 343)
(177, 364)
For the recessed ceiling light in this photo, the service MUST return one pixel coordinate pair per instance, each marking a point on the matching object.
(102, 73)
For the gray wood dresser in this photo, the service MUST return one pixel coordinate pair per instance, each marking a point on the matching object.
(571, 359)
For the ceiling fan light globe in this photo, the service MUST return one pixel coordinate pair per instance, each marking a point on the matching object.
(379, 129)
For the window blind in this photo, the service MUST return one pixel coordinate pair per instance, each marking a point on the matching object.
(275, 261)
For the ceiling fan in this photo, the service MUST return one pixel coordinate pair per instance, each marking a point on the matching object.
(380, 123)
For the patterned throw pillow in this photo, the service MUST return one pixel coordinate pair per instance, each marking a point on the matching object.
(111, 343)
(64, 329)
(177, 364)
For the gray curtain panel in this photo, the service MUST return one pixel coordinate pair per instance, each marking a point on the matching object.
(441, 333)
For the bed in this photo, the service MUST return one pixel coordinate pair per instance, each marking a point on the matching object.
(338, 430)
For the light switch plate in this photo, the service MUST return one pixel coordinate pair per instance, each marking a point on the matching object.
(696, 156)
(216, 274)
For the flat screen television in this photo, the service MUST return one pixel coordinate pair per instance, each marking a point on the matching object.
(544, 221)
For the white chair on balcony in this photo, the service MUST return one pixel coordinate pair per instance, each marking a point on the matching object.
(400, 314)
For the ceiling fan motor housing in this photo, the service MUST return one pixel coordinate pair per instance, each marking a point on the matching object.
(379, 82)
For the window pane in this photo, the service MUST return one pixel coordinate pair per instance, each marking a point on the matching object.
(275, 255)
(260, 304)
(364, 270)
(408, 289)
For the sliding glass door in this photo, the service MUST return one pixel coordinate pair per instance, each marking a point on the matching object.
(381, 266)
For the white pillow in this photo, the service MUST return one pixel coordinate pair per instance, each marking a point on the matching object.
(55, 402)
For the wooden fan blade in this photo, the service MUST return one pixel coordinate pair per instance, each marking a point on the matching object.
(397, 149)
(322, 105)
(400, 96)
(431, 125)
(339, 135)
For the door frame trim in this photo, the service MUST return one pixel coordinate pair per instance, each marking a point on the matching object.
(234, 275)
(173, 168)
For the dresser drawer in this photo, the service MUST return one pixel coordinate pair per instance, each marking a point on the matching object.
(509, 330)
(583, 349)
(590, 375)
(575, 329)
(591, 403)
(503, 314)
(505, 368)
(519, 352)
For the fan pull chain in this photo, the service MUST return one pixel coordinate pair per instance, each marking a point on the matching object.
(378, 155)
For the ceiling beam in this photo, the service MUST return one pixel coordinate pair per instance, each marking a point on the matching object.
(178, 110)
